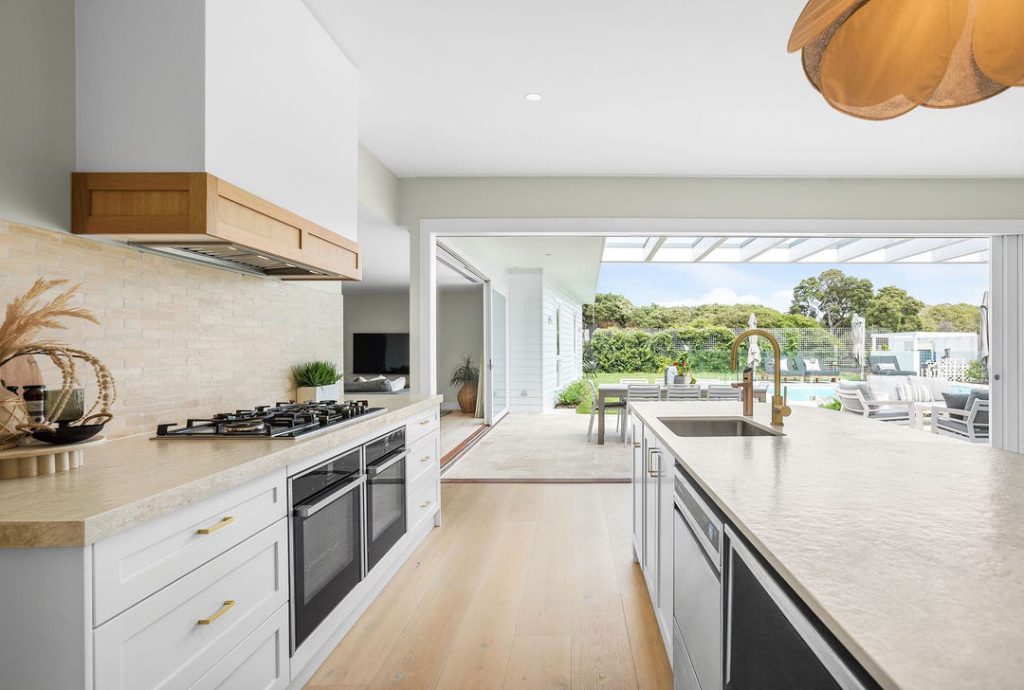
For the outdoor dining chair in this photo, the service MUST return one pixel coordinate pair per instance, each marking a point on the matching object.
(724, 392)
(632, 381)
(640, 391)
(682, 391)
(616, 406)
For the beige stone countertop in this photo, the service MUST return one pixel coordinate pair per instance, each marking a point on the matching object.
(130, 481)
(907, 545)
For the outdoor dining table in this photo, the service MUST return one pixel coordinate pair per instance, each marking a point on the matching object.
(606, 391)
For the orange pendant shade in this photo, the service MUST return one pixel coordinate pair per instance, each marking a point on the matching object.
(878, 59)
(999, 40)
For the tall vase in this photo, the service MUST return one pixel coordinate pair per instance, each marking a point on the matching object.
(670, 374)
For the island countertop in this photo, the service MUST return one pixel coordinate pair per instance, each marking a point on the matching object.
(908, 546)
(130, 481)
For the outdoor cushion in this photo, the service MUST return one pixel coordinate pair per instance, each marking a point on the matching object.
(812, 364)
(915, 393)
(953, 425)
(886, 366)
(890, 414)
(864, 388)
(956, 401)
(783, 364)
(982, 417)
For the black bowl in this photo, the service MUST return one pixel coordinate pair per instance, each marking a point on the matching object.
(65, 433)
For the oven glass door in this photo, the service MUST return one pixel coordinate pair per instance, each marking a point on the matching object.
(385, 505)
(327, 554)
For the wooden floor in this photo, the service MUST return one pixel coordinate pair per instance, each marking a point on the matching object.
(525, 586)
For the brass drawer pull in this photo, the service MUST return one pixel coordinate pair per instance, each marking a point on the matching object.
(426, 458)
(424, 422)
(216, 528)
(220, 612)
(425, 504)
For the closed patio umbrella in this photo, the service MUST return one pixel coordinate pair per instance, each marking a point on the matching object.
(753, 349)
(983, 330)
(859, 335)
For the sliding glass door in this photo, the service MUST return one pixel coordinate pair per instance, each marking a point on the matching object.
(497, 363)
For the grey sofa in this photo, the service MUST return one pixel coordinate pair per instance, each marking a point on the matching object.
(374, 385)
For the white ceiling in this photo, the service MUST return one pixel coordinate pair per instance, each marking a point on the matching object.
(649, 87)
(574, 263)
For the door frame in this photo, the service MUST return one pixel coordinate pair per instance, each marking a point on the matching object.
(492, 416)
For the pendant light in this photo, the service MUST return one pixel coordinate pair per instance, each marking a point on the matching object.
(879, 59)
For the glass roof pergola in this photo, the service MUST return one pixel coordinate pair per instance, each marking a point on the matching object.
(832, 250)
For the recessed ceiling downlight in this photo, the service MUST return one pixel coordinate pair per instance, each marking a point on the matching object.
(533, 97)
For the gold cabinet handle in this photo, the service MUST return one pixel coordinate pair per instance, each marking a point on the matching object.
(217, 527)
(425, 504)
(424, 422)
(228, 605)
(425, 458)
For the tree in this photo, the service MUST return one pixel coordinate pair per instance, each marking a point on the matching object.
(608, 310)
(831, 297)
(963, 318)
(893, 309)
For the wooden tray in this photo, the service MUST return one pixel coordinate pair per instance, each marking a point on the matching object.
(36, 459)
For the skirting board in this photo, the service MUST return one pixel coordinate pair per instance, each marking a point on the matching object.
(345, 616)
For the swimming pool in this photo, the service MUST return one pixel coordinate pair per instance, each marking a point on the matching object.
(806, 392)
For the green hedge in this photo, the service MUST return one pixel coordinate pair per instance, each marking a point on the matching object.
(625, 349)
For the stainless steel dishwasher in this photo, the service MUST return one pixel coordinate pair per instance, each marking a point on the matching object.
(697, 603)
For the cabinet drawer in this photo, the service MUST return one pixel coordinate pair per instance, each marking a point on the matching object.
(162, 643)
(260, 662)
(130, 566)
(420, 425)
(423, 499)
(424, 456)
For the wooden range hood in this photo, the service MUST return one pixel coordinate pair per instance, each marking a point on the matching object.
(202, 217)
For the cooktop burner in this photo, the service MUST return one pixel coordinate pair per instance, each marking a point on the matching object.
(281, 420)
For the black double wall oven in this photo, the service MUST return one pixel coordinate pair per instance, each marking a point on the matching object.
(346, 514)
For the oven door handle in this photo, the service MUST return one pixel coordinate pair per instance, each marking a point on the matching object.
(374, 470)
(304, 511)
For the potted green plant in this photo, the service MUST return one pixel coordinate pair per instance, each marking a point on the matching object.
(465, 374)
(316, 381)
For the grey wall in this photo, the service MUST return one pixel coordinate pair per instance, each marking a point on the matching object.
(460, 331)
(37, 111)
(374, 313)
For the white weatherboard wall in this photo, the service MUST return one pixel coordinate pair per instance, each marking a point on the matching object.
(562, 358)
(374, 313)
(253, 91)
(460, 324)
(525, 340)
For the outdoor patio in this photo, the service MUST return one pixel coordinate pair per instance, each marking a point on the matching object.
(548, 446)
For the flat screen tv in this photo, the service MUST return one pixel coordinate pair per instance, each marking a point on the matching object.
(380, 353)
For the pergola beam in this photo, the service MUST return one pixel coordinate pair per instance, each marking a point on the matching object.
(812, 246)
(912, 248)
(758, 246)
(862, 247)
(960, 249)
(704, 246)
(652, 246)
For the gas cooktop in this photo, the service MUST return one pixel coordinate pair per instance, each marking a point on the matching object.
(287, 420)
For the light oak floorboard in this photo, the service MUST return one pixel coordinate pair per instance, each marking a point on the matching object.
(525, 586)
(540, 662)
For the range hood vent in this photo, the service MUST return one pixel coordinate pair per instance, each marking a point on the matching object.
(203, 218)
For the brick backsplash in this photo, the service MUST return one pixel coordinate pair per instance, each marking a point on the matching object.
(181, 339)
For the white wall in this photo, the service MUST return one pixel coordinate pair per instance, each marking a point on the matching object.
(282, 109)
(377, 187)
(560, 366)
(253, 91)
(526, 340)
(141, 85)
(460, 324)
(37, 111)
(374, 313)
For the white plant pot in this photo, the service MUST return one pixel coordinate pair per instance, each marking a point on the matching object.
(317, 393)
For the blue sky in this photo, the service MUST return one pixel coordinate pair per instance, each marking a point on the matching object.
(772, 284)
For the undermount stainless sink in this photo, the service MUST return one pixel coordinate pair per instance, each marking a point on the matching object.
(716, 426)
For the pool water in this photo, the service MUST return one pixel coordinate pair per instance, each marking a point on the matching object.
(804, 392)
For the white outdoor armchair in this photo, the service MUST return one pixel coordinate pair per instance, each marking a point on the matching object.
(859, 399)
(971, 424)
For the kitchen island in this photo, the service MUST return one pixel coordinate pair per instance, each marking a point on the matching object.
(190, 562)
(907, 547)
